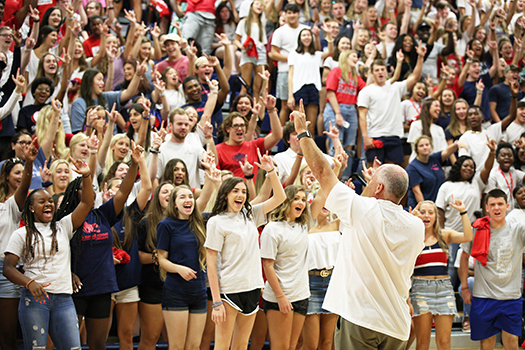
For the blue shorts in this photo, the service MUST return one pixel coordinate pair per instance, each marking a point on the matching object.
(391, 151)
(176, 301)
(489, 317)
(318, 287)
(8, 290)
(308, 93)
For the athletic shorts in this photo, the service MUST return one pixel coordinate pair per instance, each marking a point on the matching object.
(176, 301)
(247, 303)
(93, 306)
(299, 306)
(489, 317)
(150, 295)
(308, 93)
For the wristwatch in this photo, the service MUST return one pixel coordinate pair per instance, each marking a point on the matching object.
(304, 134)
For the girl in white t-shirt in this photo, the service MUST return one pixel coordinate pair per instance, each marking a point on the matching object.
(43, 247)
(236, 277)
(251, 32)
(304, 80)
(284, 243)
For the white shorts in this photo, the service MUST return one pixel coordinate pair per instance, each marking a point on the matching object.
(130, 295)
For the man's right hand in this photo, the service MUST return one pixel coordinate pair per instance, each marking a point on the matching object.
(466, 294)
(369, 142)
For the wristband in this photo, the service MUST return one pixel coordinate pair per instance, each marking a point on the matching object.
(36, 20)
(279, 296)
(214, 92)
(513, 96)
(71, 18)
(47, 184)
(271, 110)
(300, 155)
(249, 177)
(463, 212)
(269, 172)
(163, 94)
(469, 60)
(93, 151)
(463, 288)
(153, 150)
(216, 304)
(29, 282)
(85, 177)
(110, 8)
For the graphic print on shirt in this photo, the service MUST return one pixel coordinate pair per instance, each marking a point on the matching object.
(92, 232)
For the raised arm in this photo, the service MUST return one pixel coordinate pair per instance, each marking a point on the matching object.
(489, 162)
(30, 153)
(49, 137)
(514, 88)
(414, 77)
(145, 184)
(223, 80)
(451, 236)
(133, 86)
(314, 157)
(108, 135)
(266, 163)
(127, 184)
(445, 154)
(276, 135)
(87, 199)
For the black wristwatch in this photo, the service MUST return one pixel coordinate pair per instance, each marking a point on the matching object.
(304, 134)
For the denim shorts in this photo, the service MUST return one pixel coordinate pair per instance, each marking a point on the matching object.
(176, 301)
(256, 61)
(8, 290)
(434, 296)
(318, 287)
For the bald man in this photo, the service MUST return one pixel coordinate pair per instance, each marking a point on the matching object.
(370, 284)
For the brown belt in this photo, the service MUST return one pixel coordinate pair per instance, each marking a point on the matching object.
(322, 273)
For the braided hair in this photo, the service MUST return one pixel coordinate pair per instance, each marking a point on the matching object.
(33, 236)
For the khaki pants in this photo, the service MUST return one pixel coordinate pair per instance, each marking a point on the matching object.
(349, 336)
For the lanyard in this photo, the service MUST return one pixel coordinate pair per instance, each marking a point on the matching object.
(413, 104)
(511, 187)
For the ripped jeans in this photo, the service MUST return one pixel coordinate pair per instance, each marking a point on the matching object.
(56, 317)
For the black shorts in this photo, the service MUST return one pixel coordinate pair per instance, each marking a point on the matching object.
(391, 151)
(300, 306)
(149, 294)
(176, 301)
(247, 303)
(93, 306)
(407, 148)
(308, 93)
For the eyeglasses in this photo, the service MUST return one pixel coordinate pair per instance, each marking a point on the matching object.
(7, 36)
(239, 126)
(24, 143)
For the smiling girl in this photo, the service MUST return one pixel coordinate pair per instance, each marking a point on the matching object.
(232, 232)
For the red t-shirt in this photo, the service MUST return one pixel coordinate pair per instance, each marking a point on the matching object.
(91, 46)
(200, 5)
(43, 5)
(181, 65)
(10, 9)
(230, 156)
(346, 93)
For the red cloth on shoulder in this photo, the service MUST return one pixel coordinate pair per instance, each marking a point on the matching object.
(480, 246)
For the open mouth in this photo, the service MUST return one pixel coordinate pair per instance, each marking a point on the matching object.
(239, 202)
(299, 210)
(426, 222)
(48, 213)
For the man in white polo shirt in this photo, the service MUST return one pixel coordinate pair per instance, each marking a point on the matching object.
(379, 246)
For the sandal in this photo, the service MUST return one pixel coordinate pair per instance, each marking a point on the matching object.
(466, 326)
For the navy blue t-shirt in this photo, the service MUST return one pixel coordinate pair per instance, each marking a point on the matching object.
(443, 120)
(27, 117)
(429, 176)
(500, 94)
(175, 237)
(94, 263)
(469, 93)
(128, 275)
(150, 272)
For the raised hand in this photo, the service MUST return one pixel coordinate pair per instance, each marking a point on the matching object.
(207, 129)
(93, 142)
(212, 60)
(268, 100)
(214, 175)
(333, 132)
(265, 161)
(136, 152)
(223, 39)
(299, 119)
(421, 49)
(514, 88)
(34, 13)
(457, 204)
(246, 167)
(80, 167)
(19, 81)
(213, 84)
(130, 16)
(162, 132)
(159, 85)
(400, 56)
(155, 32)
(480, 86)
(415, 211)
(17, 36)
(56, 106)
(45, 173)
(113, 115)
(491, 144)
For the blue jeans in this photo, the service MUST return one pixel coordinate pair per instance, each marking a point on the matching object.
(56, 317)
(346, 135)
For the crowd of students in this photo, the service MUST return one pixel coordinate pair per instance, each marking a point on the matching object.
(130, 193)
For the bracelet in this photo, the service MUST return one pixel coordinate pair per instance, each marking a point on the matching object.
(279, 296)
(300, 155)
(145, 118)
(271, 110)
(163, 94)
(85, 177)
(36, 20)
(469, 60)
(29, 282)
(329, 41)
(463, 212)
(110, 8)
(27, 50)
(269, 172)
(89, 126)
(249, 177)
(214, 92)
(463, 288)
(216, 304)
(71, 18)
(153, 150)
(480, 93)
(47, 184)
(513, 96)
(93, 151)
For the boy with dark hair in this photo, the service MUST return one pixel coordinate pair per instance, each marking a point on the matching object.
(496, 298)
